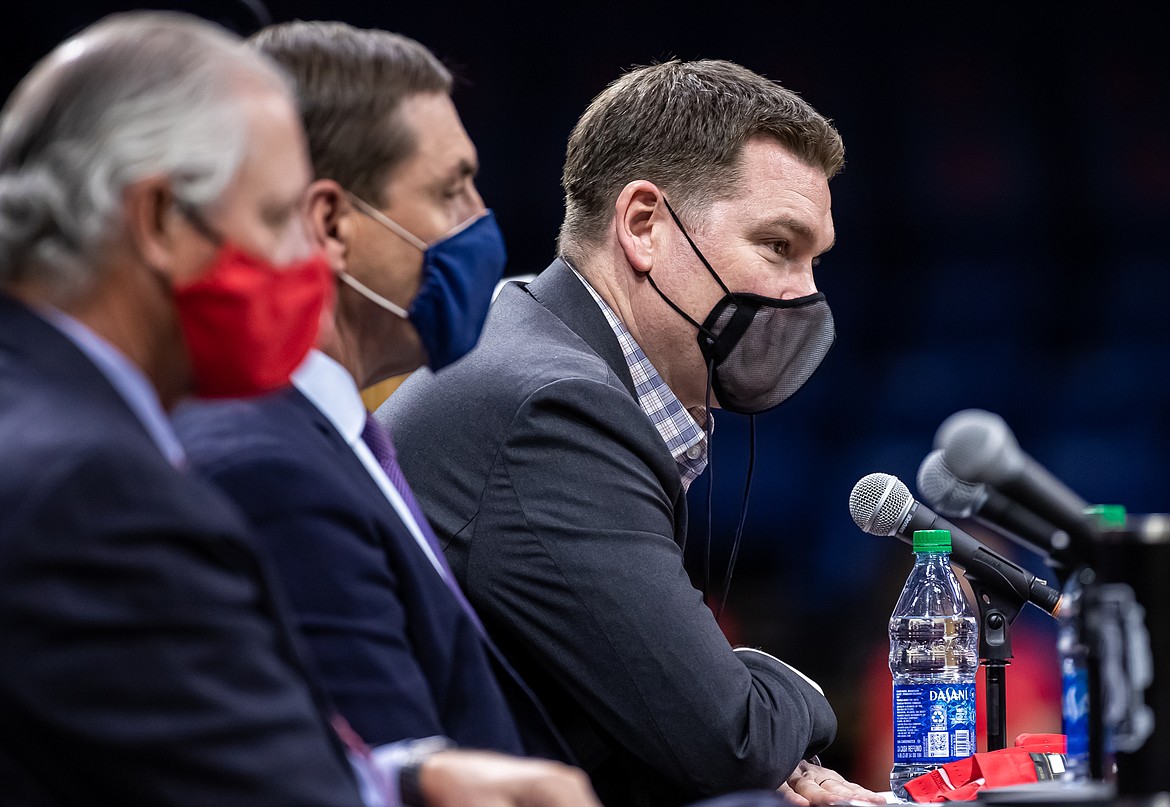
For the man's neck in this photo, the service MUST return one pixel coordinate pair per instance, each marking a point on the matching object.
(132, 311)
(372, 355)
(340, 344)
(617, 294)
(642, 311)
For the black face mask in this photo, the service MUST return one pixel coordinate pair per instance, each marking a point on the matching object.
(760, 350)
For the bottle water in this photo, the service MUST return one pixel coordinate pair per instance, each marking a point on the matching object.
(1074, 676)
(1071, 645)
(934, 655)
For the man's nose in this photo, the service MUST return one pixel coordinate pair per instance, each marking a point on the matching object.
(475, 205)
(803, 283)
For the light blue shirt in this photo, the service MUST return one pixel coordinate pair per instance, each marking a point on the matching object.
(125, 377)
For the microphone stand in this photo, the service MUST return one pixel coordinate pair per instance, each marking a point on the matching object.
(997, 612)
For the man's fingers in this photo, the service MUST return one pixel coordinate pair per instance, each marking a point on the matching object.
(792, 796)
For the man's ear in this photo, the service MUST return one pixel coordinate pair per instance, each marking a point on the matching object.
(637, 216)
(330, 217)
(157, 229)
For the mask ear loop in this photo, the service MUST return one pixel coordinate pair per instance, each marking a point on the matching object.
(196, 220)
(389, 223)
(747, 489)
(706, 332)
(697, 251)
(710, 484)
(710, 337)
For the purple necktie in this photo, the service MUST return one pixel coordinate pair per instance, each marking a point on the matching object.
(377, 438)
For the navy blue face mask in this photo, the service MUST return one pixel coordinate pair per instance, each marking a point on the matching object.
(459, 273)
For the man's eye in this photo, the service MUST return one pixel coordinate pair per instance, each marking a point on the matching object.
(779, 247)
(277, 217)
(455, 191)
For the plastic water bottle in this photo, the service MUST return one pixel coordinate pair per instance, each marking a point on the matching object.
(934, 655)
(1074, 676)
(1071, 644)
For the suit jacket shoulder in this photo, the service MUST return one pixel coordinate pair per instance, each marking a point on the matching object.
(394, 648)
(564, 515)
(530, 354)
(145, 658)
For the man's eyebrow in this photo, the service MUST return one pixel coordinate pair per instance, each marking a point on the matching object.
(799, 227)
(279, 205)
(461, 170)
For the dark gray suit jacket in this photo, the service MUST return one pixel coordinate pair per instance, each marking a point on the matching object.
(562, 514)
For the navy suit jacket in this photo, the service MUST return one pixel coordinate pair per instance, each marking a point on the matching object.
(394, 648)
(144, 655)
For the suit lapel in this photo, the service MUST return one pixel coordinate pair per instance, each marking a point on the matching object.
(520, 697)
(300, 410)
(306, 411)
(558, 289)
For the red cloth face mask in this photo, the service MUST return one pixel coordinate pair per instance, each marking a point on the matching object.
(248, 324)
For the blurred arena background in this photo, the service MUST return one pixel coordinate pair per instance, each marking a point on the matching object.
(1003, 227)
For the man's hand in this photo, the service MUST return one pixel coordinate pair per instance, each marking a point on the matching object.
(485, 779)
(812, 784)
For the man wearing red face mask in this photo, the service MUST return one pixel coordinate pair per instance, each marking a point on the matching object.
(153, 245)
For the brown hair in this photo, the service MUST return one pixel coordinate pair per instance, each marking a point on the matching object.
(350, 83)
(682, 126)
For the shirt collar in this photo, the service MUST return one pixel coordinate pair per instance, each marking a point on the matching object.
(684, 437)
(331, 389)
(125, 377)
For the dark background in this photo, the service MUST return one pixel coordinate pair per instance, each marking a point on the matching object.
(1002, 243)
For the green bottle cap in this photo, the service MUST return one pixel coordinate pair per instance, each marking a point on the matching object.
(1107, 516)
(932, 540)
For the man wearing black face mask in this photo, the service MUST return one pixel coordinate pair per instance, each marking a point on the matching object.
(554, 459)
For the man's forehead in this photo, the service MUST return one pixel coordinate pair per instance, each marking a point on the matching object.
(771, 171)
(442, 146)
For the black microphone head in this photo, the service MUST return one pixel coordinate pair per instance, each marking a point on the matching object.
(946, 493)
(979, 447)
(879, 503)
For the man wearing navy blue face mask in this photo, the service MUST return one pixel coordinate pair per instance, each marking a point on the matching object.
(400, 651)
(459, 271)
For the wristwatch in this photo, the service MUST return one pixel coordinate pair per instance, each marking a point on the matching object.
(411, 761)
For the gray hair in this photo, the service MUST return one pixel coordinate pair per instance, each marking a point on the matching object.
(134, 95)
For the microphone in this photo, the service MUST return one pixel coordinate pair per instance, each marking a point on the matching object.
(979, 447)
(952, 497)
(882, 505)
